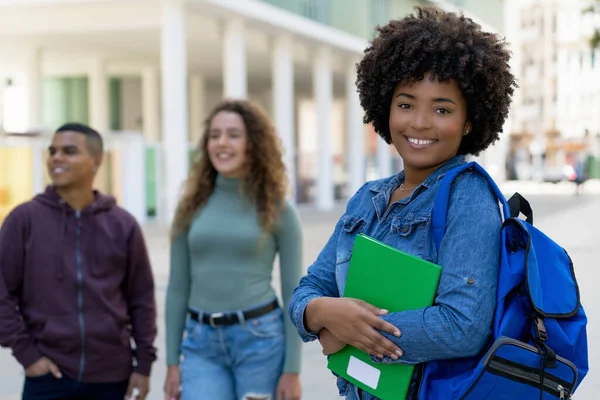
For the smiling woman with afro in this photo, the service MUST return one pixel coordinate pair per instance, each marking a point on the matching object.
(438, 88)
(450, 46)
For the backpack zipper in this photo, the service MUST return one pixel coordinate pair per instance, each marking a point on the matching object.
(552, 384)
(561, 390)
(513, 342)
(561, 385)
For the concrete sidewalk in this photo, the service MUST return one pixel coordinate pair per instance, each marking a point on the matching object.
(578, 231)
(572, 222)
(564, 188)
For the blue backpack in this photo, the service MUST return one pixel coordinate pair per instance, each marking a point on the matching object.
(538, 346)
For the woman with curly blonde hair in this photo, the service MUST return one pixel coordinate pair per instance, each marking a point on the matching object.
(232, 220)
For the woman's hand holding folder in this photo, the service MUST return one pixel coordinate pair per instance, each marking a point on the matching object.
(354, 322)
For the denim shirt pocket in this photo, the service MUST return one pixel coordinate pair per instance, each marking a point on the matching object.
(410, 233)
(351, 226)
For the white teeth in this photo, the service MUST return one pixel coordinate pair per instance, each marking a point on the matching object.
(223, 155)
(58, 170)
(421, 142)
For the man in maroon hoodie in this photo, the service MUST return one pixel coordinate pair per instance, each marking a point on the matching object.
(76, 284)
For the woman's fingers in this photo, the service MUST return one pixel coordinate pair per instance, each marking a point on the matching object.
(372, 347)
(390, 348)
(364, 344)
(364, 329)
(374, 343)
(385, 326)
(372, 308)
(377, 322)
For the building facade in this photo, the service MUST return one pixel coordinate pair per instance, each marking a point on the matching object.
(145, 72)
(555, 114)
(578, 81)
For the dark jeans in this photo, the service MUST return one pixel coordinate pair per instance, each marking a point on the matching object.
(47, 387)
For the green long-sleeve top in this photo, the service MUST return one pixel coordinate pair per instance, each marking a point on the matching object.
(224, 262)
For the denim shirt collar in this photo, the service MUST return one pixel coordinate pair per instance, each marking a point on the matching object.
(389, 185)
(382, 189)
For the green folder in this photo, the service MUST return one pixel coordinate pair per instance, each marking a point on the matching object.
(393, 280)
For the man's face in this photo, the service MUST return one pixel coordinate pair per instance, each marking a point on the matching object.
(70, 163)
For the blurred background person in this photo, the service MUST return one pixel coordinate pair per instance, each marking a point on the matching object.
(76, 283)
(232, 220)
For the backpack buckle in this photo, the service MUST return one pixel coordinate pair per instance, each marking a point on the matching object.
(540, 329)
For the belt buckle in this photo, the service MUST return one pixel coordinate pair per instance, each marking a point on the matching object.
(211, 319)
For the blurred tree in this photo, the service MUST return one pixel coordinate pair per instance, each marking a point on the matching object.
(594, 7)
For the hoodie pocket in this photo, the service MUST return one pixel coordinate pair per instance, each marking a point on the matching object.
(62, 332)
(106, 331)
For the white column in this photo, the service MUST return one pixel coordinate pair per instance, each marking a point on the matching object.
(234, 60)
(34, 90)
(356, 134)
(323, 92)
(133, 173)
(151, 104)
(283, 103)
(37, 169)
(99, 97)
(174, 102)
(197, 107)
(2, 89)
(384, 158)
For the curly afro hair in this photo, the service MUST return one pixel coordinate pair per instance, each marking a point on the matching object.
(449, 46)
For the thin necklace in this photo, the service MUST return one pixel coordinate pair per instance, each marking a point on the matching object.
(402, 187)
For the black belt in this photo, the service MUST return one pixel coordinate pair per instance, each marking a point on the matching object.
(222, 319)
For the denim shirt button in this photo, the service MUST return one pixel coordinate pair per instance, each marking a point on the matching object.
(405, 229)
(470, 281)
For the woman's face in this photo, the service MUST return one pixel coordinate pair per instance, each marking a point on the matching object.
(428, 120)
(227, 143)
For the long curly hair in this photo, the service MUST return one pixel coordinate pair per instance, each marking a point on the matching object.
(265, 180)
(450, 46)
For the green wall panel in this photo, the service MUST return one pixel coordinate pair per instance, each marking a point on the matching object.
(65, 100)
(115, 104)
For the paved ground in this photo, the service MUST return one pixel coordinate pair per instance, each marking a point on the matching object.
(572, 221)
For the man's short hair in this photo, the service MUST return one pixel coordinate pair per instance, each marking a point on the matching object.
(93, 138)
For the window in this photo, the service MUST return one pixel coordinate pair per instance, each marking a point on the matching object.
(317, 10)
(380, 12)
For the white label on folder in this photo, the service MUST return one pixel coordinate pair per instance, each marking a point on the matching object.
(363, 372)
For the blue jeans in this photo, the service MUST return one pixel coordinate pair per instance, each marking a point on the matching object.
(233, 362)
(47, 387)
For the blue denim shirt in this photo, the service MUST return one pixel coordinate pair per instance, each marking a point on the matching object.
(459, 322)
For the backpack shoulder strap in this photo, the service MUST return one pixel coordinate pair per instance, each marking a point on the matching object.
(442, 198)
